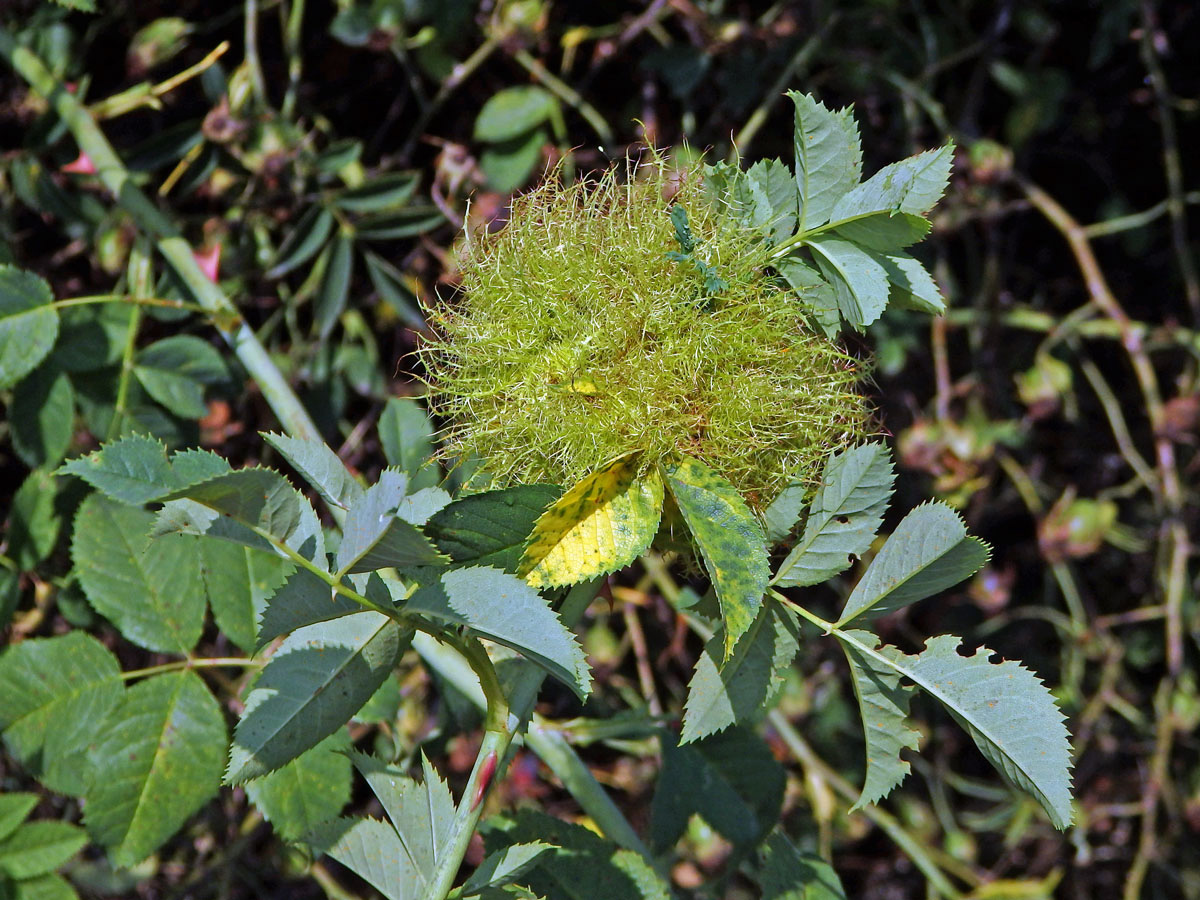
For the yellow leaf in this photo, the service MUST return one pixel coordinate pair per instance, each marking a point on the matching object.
(598, 526)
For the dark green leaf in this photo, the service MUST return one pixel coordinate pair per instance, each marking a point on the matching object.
(161, 753)
(176, 370)
(334, 287)
(38, 848)
(504, 866)
(14, 808)
(786, 873)
(303, 241)
(42, 417)
(34, 520)
(28, 324)
(382, 193)
(410, 222)
(731, 779)
(237, 581)
(580, 866)
(509, 164)
(394, 289)
(885, 232)
(314, 683)
(490, 529)
(304, 599)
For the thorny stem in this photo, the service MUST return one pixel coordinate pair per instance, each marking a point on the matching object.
(506, 717)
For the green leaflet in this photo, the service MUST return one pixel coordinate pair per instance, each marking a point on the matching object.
(742, 788)
(742, 689)
(785, 873)
(490, 529)
(421, 812)
(814, 292)
(859, 279)
(828, 158)
(238, 582)
(511, 112)
(929, 551)
(911, 186)
(28, 324)
(176, 371)
(53, 692)
(912, 285)
(1005, 708)
(34, 521)
(580, 866)
(375, 535)
(15, 806)
(729, 538)
(314, 683)
(42, 417)
(845, 514)
(319, 466)
(303, 599)
(254, 507)
(152, 591)
(883, 705)
(135, 469)
(309, 790)
(303, 241)
(160, 754)
(504, 866)
(774, 192)
(504, 609)
(598, 526)
(38, 848)
(400, 858)
(884, 232)
(373, 850)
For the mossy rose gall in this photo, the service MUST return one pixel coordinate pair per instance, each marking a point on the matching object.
(582, 333)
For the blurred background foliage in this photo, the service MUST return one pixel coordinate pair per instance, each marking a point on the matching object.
(320, 157)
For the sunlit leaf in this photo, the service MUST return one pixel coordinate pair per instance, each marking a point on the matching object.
(598, 526)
